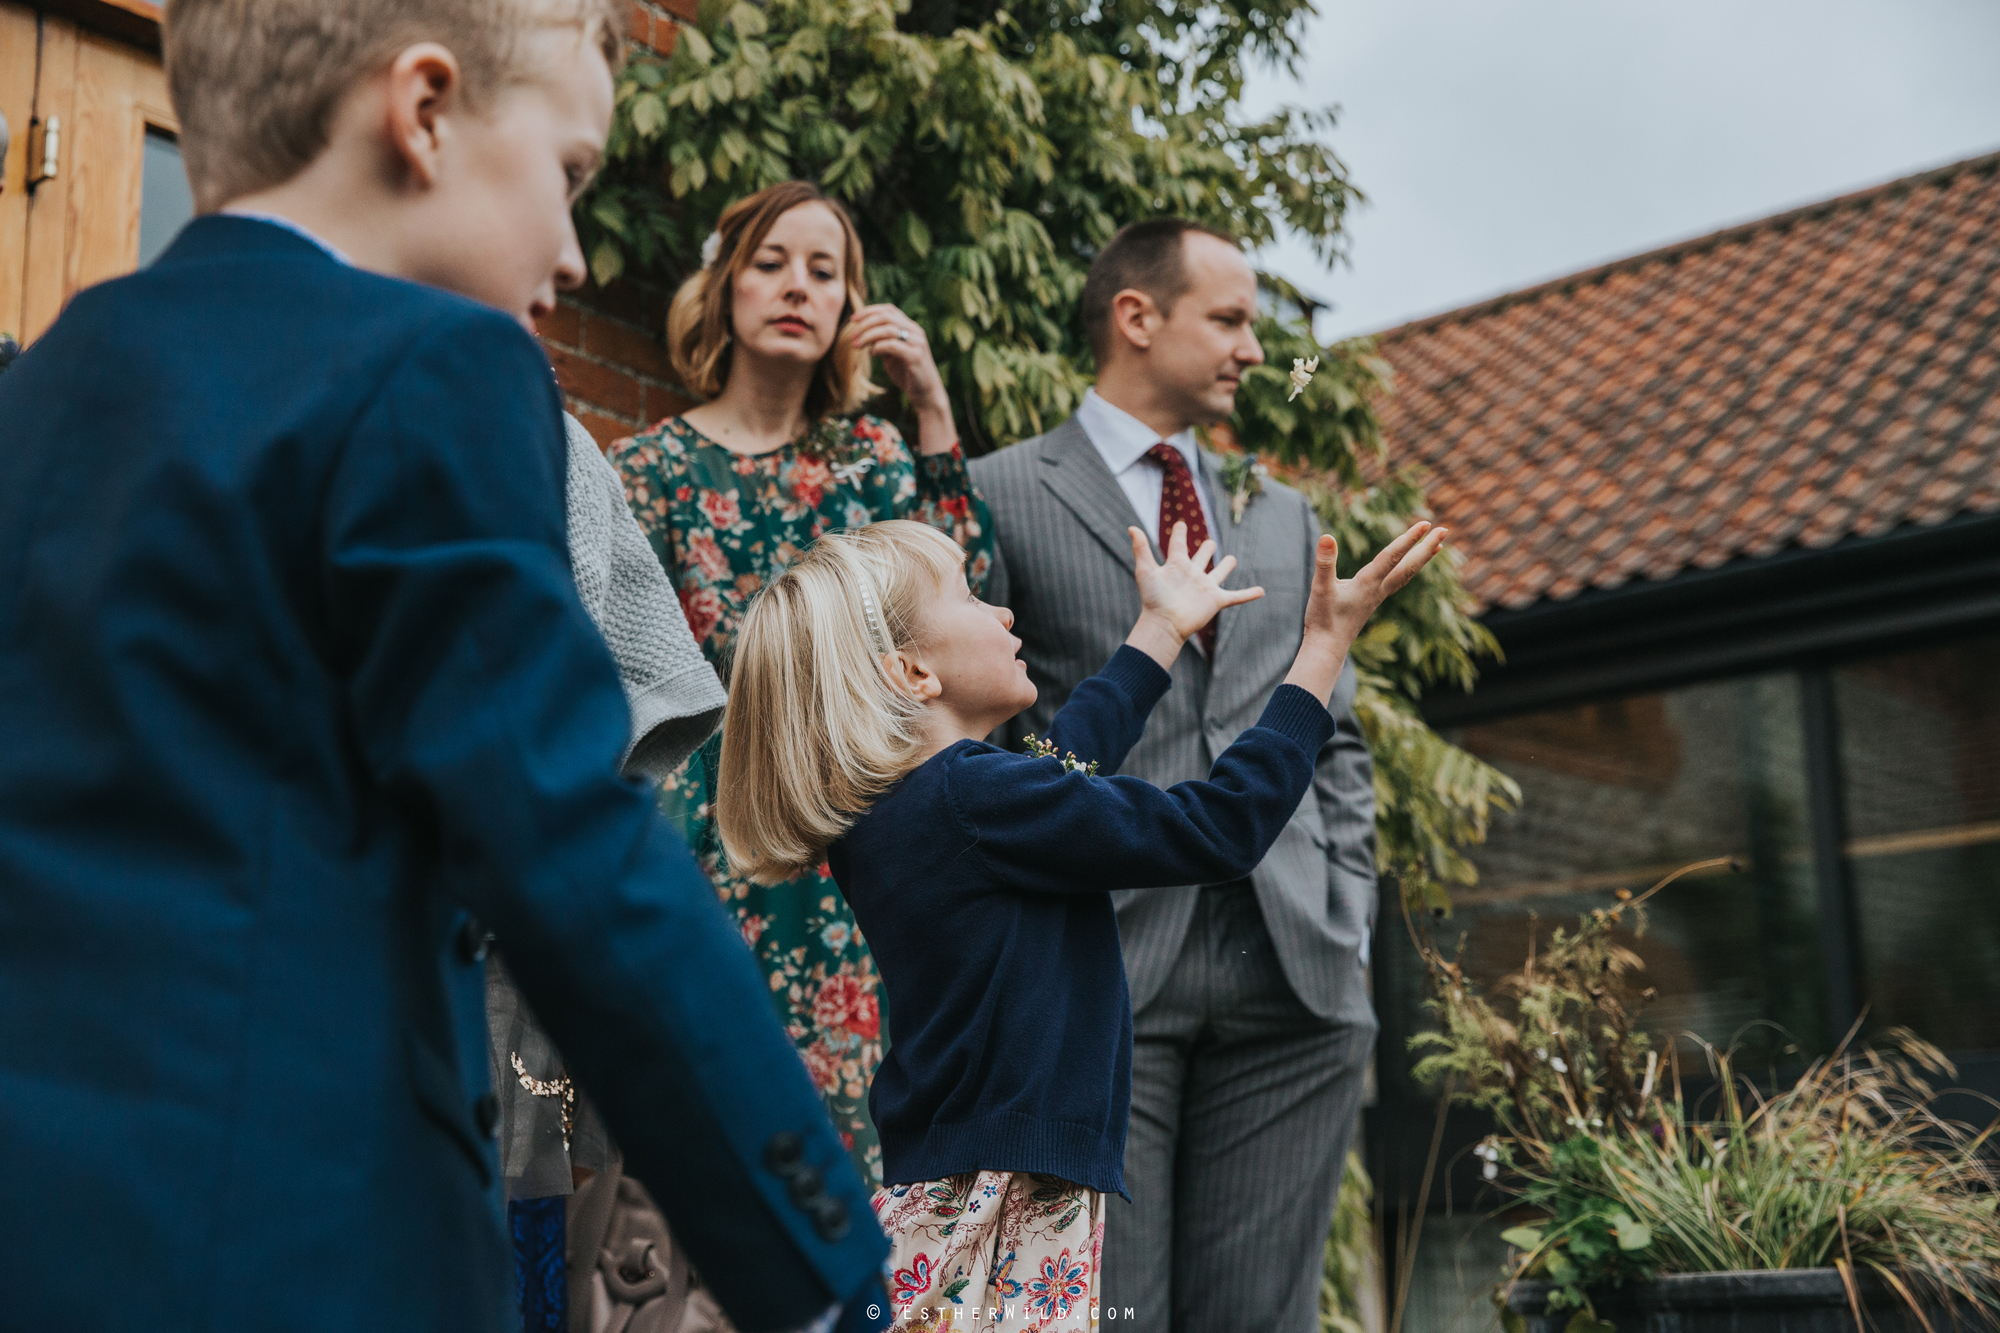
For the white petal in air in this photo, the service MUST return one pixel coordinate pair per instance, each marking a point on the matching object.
(1302, 375)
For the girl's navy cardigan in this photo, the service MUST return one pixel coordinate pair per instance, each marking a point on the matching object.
(982, 882)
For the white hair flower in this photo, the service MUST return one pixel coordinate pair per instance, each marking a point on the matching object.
(710, 248)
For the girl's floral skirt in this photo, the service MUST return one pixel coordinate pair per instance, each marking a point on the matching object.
(993, 1252)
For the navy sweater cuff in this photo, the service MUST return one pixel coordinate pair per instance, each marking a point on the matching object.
(1296, 713)
(1140, 677)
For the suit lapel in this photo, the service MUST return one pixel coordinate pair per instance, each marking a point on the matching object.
(1078, 478)
(1226, 541)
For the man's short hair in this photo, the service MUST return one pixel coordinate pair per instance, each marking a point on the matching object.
(256, 83)
(1149, 257)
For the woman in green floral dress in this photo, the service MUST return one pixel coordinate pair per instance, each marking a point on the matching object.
(774, 332)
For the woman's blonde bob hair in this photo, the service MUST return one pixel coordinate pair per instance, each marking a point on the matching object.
(816, 730)
(701, 323)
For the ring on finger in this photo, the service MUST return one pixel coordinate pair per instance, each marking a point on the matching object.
(902, 335)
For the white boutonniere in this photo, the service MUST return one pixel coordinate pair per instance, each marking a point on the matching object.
(1302, 375)
(1042, 749)
(1243, 477)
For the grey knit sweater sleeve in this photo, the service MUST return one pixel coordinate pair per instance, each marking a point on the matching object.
(676, 702)
(674, 694)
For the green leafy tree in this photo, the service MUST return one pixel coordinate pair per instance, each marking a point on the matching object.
(985, 154)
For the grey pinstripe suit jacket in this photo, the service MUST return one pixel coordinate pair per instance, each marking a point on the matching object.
(1063, 563)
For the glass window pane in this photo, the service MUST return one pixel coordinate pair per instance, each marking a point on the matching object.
(165, 201)
(1459, 1260)
(1617, 794)
(1920, 762)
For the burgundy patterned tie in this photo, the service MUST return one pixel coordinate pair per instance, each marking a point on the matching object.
(1179, 503)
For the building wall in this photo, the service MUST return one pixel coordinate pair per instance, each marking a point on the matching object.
(608, 345)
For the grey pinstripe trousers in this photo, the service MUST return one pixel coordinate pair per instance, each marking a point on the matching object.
(1244, 1104)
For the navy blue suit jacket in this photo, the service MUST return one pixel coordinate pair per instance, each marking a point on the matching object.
(293, 677)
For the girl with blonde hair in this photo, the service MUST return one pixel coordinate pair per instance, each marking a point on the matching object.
(775, 335)
(866, 677)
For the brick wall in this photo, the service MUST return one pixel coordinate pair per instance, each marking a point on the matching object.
(607, 344)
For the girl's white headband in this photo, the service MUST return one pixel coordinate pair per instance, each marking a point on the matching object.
(871, 611)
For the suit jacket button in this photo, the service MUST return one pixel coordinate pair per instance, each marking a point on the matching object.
(486, 1115)
(830, 1220)
(807, 1185)
(783, 1153)
(472, 939)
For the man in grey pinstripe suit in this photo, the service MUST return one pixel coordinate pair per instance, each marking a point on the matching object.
(1252, 1024)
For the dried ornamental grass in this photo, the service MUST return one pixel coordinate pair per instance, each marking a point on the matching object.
(1848, 1168)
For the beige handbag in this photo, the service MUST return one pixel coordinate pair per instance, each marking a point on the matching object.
(626, 1274)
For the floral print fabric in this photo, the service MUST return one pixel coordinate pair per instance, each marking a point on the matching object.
(723, 524)
(993, 1252)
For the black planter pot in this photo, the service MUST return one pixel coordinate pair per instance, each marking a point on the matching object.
(1799, 1300)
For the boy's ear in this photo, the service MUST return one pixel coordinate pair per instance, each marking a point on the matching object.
(908, 674)
(423, 85)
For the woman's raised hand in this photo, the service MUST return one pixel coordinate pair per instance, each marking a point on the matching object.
(1179, 596)
(899, 343)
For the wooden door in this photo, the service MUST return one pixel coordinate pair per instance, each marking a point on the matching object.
(81, 226)
(17, 104)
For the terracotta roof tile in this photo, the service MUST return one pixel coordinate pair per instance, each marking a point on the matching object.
(1826, 373)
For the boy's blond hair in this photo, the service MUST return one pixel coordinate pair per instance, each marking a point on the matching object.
(701, 323)
(256, 83)
(816, 730)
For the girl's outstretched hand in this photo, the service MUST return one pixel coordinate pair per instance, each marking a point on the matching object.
(1338, 607)
(1180, 596)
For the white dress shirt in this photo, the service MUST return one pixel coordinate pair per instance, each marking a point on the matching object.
(1122, 439)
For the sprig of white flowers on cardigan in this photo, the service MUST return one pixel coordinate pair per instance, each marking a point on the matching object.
(559, 1086)
(1042, 749)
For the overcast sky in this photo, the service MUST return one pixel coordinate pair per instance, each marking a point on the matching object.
(1502, 142)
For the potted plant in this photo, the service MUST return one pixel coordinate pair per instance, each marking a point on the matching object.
(1842, 1200)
